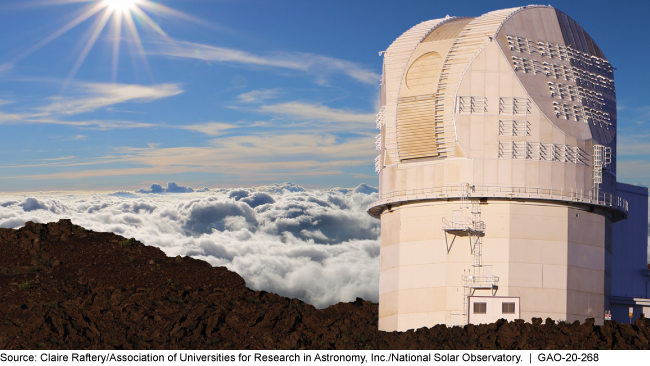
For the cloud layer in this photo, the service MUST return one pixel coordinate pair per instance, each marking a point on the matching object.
(319, 246)
(172, 187)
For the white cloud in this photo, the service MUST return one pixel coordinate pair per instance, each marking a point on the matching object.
(214, 53)
(13, 117)
(316, 112)
(103, 95)
(93, 96)
(6, 67)
(172, 187)
(90, 124)
(210, 128)
(80, 137)
(61, 158)
(315, 64)
(319, 246)
(256, 96)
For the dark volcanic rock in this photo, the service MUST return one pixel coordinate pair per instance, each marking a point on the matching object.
(64, 287)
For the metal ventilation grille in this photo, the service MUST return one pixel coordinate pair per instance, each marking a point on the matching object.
(515, 128)
(543, 151)
(472, 105)
(515, 105)
(572, 93)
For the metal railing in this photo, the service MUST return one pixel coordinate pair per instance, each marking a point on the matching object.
(480, 282)
(453, 191)
(463, 224)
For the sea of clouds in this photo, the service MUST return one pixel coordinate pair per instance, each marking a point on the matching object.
(319, 246)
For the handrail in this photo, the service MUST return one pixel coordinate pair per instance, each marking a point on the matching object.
(480, 281)
(456, 190)
(463, 224)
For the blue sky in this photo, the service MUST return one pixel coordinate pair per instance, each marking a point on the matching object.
(239, 93)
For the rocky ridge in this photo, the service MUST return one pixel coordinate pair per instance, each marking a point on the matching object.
(64, 287)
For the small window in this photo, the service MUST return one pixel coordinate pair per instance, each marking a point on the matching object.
(479, 308)
(507, 307)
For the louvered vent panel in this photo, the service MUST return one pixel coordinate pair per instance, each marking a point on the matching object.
(416, 129)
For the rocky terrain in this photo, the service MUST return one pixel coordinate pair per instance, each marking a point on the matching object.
(64, 287)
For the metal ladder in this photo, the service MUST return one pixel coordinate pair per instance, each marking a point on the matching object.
(473, 278)
(477, 246)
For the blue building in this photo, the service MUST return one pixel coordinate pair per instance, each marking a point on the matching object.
(630, 281)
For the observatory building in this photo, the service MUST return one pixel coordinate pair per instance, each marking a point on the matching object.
(497, 171)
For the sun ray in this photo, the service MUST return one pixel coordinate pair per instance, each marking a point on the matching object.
(163, 9)
(148, 20)
(93, 38)
(54, 2)
(30, 4)
(90, 12)
(136, 38)
(117, 35)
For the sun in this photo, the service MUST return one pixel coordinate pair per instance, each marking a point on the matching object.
(121, 14)
(120, 5)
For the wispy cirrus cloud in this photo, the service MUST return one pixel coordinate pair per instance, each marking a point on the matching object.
(316, 112)
(104, 94)
(256, 96)
(61, 158)
(6, 67)
(88, 97)
(317, 64)
(253, 157)
(96, 124)
(209, 128)
(14, 117)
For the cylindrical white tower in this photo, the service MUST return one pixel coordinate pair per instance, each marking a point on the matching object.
(497, 171)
